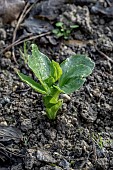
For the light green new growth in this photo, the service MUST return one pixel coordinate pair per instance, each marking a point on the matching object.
(54, 78)
(62, 30)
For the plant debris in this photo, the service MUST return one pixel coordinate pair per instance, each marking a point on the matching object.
(6, 12)
(8, 134)
(99, 9)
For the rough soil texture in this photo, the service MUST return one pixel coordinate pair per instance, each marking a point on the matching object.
(81, 138)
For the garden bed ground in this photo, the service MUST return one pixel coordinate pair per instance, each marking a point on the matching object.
(81, 138)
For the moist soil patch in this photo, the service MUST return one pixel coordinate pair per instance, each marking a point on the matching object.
(81, 137)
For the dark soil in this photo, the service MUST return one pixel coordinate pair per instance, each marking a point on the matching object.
(81, 138)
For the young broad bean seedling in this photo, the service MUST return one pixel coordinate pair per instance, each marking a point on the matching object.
(55, 78)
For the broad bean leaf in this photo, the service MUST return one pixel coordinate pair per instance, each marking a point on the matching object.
(56, 70)
(52, 111)
(36, 86)
(75, 69)
(55, 73)
(58, 88)
(39, 63)
(76, 60)
(72, 85)
(73, 73)
(53, 97)
(49, 81)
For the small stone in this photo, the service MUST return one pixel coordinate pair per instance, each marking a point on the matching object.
(107, 106)
(2, 43)
(8, 54)
(15, 88)
(3, 123)
(65, 96)
(5, 100)
(2, 34)
(65, 164)
(110, 89)
(96, 92)
(14, 23)
(89, 165)
(44, 156)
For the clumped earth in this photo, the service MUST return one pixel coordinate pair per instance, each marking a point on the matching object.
(81, 138)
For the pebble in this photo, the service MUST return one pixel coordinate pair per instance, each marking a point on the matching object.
(96, 92)
(44, 156)
(108, 107)
(2, 43)
(8, 54)
(64, 164)
(110, 89)
(3, 123)
(2, 34)
(65, 97)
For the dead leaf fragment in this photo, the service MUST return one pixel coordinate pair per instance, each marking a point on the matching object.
(10, 9)
(99, 9)
(37, 26)
(8, 133)
(48, 9)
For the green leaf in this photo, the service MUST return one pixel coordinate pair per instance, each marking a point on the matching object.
(59, 24)
(52, 111)
(58, 88)
(73, 73)
(55, 31)
(36, 86)
(60, 34)
(52, 98)
(52, 103)
(75, 69)
(55, 73)
(39, 63)
(72, 85)
(49, 81)
(68, 32)
(76, 60)
(74, 26)
(25, 54)
(56, 70)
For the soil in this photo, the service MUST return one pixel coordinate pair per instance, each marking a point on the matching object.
(81, 137)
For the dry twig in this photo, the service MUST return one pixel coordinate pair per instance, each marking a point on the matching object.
(16, 28)
(21, 40)
(21, 18)
(103, 54)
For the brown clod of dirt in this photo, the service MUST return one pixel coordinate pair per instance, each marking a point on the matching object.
(10, 9)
